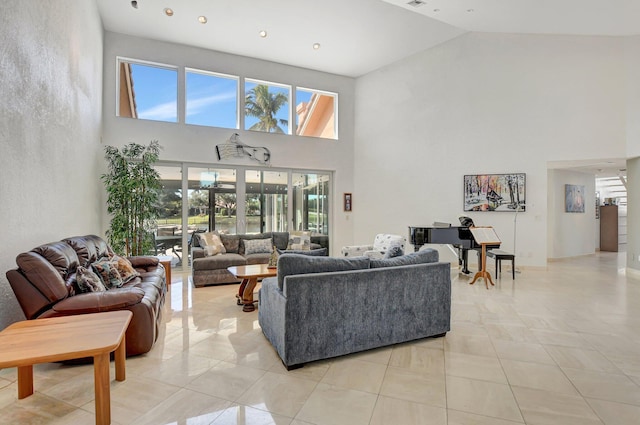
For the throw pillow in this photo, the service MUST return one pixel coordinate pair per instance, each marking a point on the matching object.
(108, 272)
(299, 240)
(394, 250)
(257, 246)
(212, 244)
(125, 268)
(88, 281)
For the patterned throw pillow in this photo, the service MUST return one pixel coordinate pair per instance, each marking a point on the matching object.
(88, 281)
(108, 273)
(299, 240)
(258, 246)
(212, 244)
(125, 268)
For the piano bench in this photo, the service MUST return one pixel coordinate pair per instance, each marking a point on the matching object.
(498, 255)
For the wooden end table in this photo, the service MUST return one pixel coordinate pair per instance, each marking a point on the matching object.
(23, 344)
(165, 260)
(250, 275)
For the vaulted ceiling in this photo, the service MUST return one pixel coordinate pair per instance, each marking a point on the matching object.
(356, 36)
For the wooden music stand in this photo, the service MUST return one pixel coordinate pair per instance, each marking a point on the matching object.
(484, 236)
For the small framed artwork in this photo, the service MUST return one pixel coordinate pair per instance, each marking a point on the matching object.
(573, 198)
(348, 202)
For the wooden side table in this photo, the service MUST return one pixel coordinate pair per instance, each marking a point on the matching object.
(23, 344)
(165, 260)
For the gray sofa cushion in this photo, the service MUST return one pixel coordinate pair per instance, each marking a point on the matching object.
(231, 243)
(318, 252)
(221, 261)
(427, 255)
(291, 264)
(281, 239)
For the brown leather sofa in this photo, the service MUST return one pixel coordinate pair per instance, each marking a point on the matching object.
(45, 285)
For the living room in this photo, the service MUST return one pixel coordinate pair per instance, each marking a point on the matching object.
(482, 102)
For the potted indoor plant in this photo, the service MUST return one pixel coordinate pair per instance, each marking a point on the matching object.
(132, 185)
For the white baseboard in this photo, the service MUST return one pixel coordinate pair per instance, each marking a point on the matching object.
(632, 273)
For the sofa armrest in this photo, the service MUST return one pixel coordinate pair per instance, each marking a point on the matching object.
(272, 313)
(144, 261)
(355, 250)
(374, 254)
(197, 252)
(95, 302)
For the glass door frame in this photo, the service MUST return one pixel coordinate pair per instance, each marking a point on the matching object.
(241, 191)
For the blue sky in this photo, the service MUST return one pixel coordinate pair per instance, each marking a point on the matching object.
(211, 99)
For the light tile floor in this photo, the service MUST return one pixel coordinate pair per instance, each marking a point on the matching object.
(560, 346)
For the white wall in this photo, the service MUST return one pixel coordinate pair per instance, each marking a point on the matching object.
(483, 103)
(633, 216)
(573, 232)
(50, 114)
(632, 59)
(196, 144)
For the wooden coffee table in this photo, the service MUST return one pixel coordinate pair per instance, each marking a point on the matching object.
(250, 275)
(23, 344)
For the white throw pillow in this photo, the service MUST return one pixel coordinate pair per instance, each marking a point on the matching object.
(299, 240)
(257, 246)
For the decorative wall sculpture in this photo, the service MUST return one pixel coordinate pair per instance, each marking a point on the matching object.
(235, 148)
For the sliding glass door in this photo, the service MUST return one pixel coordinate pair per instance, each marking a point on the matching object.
(311, 202)
(266, 201)
(238, 200)
(212, 199)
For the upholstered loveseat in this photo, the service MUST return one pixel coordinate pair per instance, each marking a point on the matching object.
(46, 284)
(212, 269)
(322, 307)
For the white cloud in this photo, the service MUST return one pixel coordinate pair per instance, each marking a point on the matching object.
(163, 112)
(197, 105)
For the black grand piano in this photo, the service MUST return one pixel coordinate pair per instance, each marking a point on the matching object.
(458, 236)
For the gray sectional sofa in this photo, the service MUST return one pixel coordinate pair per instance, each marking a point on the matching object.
(322, 307)
(213, 270)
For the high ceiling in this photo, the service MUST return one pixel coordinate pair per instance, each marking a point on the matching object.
(356, 36)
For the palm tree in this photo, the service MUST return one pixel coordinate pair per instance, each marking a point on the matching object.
(263, 105)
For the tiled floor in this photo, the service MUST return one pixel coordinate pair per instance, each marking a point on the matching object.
(560, 346)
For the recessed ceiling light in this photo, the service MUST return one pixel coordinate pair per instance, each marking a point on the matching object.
(168, 11)
(316, 46)
(263, 33)
(469, 10)
(134, 4)
(202, 19)
(436, 10)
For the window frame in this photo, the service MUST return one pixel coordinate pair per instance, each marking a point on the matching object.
(335, 111)
(239, 102)
(121, 59)
(290, 100)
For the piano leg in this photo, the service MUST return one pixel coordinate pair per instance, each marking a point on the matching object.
(465, 261)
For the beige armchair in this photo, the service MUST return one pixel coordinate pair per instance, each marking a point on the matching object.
(381, 244)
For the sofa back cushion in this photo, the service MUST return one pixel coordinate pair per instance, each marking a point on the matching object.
(290, 264)
(231, 243)
(281, 239)
(89, 248)
(426, 255)
(50, 268)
